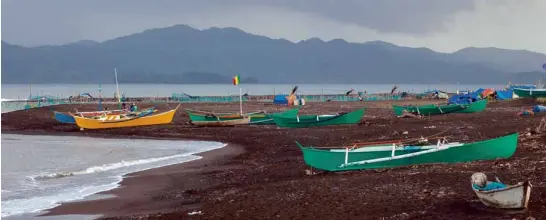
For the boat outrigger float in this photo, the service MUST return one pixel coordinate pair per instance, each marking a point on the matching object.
(391, 155)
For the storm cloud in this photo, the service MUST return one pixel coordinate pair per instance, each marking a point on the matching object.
(442, 25)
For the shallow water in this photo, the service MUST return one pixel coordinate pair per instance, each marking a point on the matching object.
(21, 91)
(39, 172)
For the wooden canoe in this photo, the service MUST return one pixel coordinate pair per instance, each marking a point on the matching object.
(432, 109)
(119, 121)
(389, 156)
(256, 117)
(305, 121)
(512, 197)
(224, 123)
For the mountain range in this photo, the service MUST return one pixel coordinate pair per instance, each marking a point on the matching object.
(182, 54)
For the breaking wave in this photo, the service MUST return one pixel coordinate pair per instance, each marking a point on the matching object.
(105, 167)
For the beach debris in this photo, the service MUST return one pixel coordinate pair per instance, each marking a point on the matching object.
(195, 213)
(407, 114)
(309, 172)
(405, 132)
(432, 126)
(542, 126)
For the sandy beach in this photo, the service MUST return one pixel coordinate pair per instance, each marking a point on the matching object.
(261, 174)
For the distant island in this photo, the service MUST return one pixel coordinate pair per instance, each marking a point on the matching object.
(182, 54)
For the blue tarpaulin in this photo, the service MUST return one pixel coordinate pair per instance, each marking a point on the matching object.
(523, 86)
(505, 94)
(464, 99)
(280, 99)
(539, 108)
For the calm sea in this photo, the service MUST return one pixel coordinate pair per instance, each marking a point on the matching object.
(39, 172)
(21, 91)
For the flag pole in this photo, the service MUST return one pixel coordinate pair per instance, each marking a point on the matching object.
(241, 100)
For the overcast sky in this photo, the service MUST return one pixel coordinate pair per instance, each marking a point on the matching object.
(442, 25)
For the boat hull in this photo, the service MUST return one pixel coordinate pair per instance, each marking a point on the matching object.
(256, 118)
(502, 147)
(305, 121)
(161, 118)
(69, 119)
(63, 117)
(224, 123)
(432, 109)
(534, 93)
(511, 197)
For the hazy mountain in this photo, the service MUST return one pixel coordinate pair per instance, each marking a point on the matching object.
(502, 59)
(179, 54)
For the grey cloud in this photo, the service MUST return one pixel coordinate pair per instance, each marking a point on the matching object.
(399, 16)
(34, 22)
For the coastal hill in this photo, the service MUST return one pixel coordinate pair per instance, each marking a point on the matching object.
(182, 54)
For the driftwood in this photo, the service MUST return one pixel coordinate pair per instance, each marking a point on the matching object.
(406, 114)
(542, 126)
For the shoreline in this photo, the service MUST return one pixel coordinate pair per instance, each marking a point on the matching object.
(105, 203)
(140, 182)
(267, 179)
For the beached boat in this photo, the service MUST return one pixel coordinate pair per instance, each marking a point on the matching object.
(305, 121)
(534, 93)
(390, 155)
(257, 117)
(433, 109)
(224, 123)
(64, 117)
(69, 119)
(512, 197)
(126, 120)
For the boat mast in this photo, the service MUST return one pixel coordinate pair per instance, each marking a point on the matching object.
(100, 97)
(117, 86)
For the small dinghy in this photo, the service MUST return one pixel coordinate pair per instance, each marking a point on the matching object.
(510, 197)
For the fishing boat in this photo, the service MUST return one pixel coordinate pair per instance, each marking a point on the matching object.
(433, 109)
(69, 119)
(223, 123)
(394, 155)
(305, 121)
(530, 92)
(512, 197)
(126, 120)
(257, 117)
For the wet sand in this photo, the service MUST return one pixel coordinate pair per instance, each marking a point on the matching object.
(261, 173)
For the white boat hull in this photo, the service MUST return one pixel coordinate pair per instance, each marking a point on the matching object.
(511, 197)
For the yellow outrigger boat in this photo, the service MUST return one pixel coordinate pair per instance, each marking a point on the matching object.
(120, 121)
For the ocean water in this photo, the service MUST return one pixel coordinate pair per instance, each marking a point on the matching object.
(21, 91)
(39, 172)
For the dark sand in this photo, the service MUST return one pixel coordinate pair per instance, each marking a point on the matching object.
(261, 173)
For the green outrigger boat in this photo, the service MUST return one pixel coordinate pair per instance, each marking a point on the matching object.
(256, 117)
(433, 109)
(305, 121)
(389, 156)
(534, 93)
